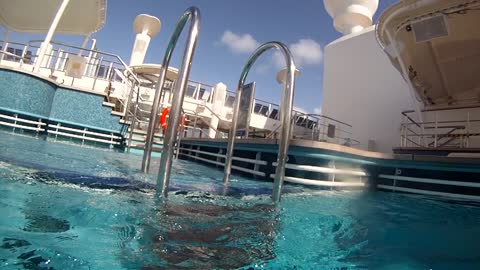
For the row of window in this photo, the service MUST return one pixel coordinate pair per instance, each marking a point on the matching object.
(17, 52)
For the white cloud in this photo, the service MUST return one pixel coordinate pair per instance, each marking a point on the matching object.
(305, 52)
(239, 43)
(317, 110)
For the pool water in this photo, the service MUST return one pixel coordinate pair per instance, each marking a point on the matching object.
(70, 207)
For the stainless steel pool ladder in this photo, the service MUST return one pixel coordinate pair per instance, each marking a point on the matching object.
(285, 115)
(180, 86)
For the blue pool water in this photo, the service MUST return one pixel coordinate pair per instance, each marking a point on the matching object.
(69, 207)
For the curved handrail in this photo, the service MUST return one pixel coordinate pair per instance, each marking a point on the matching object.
(286, 115)
(180, 86)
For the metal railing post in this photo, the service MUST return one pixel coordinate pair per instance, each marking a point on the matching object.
(178, 92)
(285, 114)
(436, 131)
(180, 136)
(132, 122)
(467, 142)
(24, 52)
(5, 44)
(96, 73)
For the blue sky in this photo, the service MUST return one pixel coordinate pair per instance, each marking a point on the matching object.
(230, 30)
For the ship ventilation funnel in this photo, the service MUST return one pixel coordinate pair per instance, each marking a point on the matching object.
(146, 27)
(350, 16)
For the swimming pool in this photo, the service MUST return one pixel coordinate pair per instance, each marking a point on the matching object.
(70, 207)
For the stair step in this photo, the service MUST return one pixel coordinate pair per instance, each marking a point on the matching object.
(142, 147)
(117, 113)
(108, 104)
(137, 131)
(144, 133)
(142, 141)
(137, 137)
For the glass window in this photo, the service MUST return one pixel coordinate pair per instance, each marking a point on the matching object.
(8, 56)
(190, 91)
(202, 92)
(101, 71)
(257, 108)
(310, 124)
(229, 102)
(274, 114)
(264, 110)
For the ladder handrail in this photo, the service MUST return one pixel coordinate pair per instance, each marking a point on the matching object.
(286, 115)
(163, 178)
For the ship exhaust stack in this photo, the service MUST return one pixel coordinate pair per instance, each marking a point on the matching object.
(146, 27)
(351, 16)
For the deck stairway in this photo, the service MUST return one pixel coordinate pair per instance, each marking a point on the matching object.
(138, 140)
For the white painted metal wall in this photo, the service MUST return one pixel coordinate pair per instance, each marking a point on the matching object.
(362, 88)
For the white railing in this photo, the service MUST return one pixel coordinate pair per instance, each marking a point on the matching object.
(17, 122)
(104, 72)
(100, 66)
(108, 73)
(438, 131)
(318, 127)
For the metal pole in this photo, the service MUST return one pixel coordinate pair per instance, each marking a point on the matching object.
(195, 124)
(178, 92)
(467, 144)
(132, 123)
(183, 74)
(48, 38)
(126, 107)
(436, 131)
(59, 59)
(96, 73)
(285, 111)
(24, 53)
(109, 71)
(84, 44)
(5, 43)
(89, 58)
(180, 135)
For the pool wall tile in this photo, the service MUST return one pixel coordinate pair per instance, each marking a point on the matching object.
(25, 93)
(31, 95)
(83, 109)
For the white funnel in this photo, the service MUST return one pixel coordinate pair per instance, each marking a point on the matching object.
(146, 27)
(282, 75)
(350, 16)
